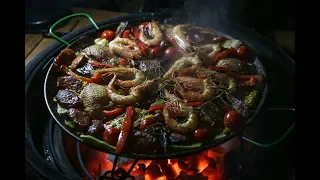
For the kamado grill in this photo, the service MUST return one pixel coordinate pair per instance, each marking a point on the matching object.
(53, 152)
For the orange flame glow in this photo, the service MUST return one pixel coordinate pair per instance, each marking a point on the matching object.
(208, 164)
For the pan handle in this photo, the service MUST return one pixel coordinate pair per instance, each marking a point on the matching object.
(261, 145)
(67, 17)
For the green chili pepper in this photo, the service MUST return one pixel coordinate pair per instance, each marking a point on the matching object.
(219, 136)
(195, 145)
(98, 144)
(70, 124)
(160, 101)
(61, 110)
(252, 99)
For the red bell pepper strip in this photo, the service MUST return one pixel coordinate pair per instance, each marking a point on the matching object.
(113, 112)
(249, 83)
(219, 56)
(195, 104)
(99, 64)
(155, 107)
(258, 77)
(125, 130)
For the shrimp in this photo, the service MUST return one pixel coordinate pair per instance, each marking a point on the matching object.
(210, 50)
(180, 38)
(124, 72)
(183, 63)
(154, 31)
(126, 48)
(177, 107)
(194, 89)
(135, 94)
(220, 78)
(215, 76)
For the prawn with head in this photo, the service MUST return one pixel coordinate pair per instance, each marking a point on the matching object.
(194, 89)
(128, 77)
(135, 93)
(150, 33)
(125, 48)
(184, 62)
(211, 76)
(175, 107)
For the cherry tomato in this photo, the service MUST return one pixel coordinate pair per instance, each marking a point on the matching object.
(147, 122)
(155, 52)
(123, 61)
(242, 51)
(201, 134)
(126, 33)
(108, 35)
(233, 120)
(110, 135)
(169, 53)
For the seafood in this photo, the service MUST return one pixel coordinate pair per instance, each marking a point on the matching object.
(94, 96)
(180, 38)
(135, 94)
(209, 50)
(184, 62)
(126, 48)
(199, 35)
(215, 76)
(194, 89)
(219, 78)
(125, 73)
(178, 108)
(150, 87)
(237, 66)
(98, 52)
(154, 32)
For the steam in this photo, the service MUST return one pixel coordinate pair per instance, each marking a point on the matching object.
(208, 13)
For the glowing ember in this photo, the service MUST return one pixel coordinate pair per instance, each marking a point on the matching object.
(207, 166)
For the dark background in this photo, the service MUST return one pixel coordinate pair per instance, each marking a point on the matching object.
(262, 15)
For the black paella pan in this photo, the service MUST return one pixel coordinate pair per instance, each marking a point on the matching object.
(87, 38)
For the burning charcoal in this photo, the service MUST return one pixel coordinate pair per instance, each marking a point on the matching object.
(191, 172)
(121, 160)
(141, 169)
(194, 161)
(182, 165)
(212, 163)
(153, 170)
(184, 176)
(166, 169)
